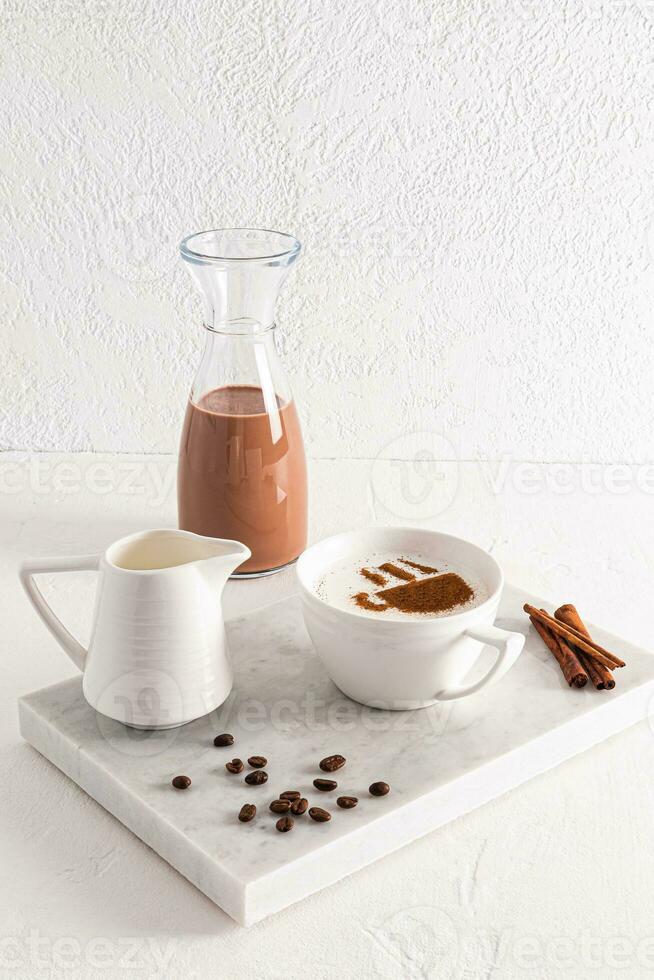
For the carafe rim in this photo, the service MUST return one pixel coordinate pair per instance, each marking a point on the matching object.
(190, 247)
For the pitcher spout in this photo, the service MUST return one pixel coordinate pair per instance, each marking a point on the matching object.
(224, 557)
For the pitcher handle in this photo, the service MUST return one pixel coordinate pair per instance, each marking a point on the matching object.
(509, 646)
(35, 566)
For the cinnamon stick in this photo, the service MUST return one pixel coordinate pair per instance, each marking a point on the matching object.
(592, 669)
(571, 669)
(574, 637)
(586, 663)
(601, 676)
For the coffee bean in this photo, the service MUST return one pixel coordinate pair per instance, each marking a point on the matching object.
(221, 740)
(182, 782)
(257, 761)
(317, 813)
(236, 765)
(256, 778)
(298, 807)
(332, 763)
(324, 785)
(284, 824)
(248, 812)
(280, 806)
(379, 789)
(290, 794)
(346, 802)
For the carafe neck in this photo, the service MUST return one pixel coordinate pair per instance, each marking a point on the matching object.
(239, 272)
(233, 360)
(238, 327)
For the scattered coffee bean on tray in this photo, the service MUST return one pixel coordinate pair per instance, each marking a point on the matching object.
(317, 813)
(325, 785)
(290, 794)
(284, 824)
(181, 782)
(247, 812)
(332, 762)
(236, 765)
(280, 806)
(257, 761)
(256, 778)
(221, 740)
(379, 789)
(298, 807)
(346, 802)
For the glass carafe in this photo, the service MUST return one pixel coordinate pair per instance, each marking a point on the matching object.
(242, 468)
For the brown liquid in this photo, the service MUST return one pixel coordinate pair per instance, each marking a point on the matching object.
(242, 475)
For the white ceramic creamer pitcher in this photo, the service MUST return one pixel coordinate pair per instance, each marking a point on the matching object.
(157, 655)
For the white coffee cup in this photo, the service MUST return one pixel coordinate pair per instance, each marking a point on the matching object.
(416, 661)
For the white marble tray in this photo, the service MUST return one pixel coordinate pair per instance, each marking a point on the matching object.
(441, 762)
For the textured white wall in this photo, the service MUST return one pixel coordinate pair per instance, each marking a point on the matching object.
(472, 182)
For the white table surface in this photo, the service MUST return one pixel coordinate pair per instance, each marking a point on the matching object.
(552, 879)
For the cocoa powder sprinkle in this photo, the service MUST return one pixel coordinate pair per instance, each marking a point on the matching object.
(428, 595)
(396, 571)
(427, 569)
(373, 577)
(362, 600)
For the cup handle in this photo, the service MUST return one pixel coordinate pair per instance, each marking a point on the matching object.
(35, 566)
(509, 646)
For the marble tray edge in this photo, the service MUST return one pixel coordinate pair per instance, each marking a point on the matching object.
(227, 892)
